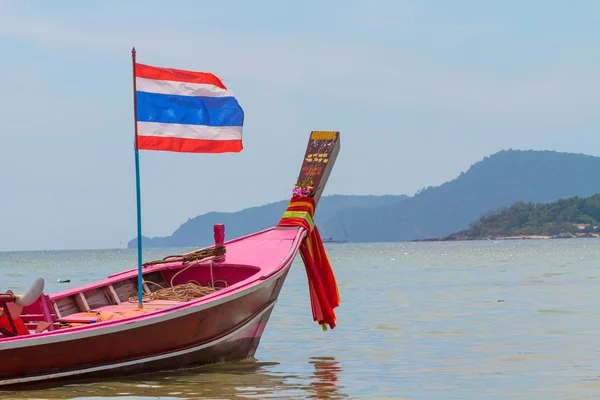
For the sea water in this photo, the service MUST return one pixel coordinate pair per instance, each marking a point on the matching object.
(515, 319)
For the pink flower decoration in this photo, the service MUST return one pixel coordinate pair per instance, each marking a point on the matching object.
(300, 191)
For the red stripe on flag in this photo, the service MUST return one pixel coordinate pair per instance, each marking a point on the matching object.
(177, 75)
(188, 145)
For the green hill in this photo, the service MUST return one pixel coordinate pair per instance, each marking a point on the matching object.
(497, 181)
(564, 218)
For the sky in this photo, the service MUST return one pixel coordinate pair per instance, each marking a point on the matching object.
(420, 90)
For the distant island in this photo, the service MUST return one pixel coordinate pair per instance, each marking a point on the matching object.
(567, 218)
(497, 181)
(198, 231)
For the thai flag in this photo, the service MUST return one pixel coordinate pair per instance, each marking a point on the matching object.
(185, 111)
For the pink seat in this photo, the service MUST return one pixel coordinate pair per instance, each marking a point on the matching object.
(40, 315)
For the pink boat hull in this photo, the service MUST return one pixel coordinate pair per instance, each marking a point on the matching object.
(227, 327)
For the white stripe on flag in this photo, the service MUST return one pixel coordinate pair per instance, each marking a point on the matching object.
(180, 88)
(190, 131)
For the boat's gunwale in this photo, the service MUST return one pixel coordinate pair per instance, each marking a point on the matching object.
(233, 292)
(235, 240)
(133, 271)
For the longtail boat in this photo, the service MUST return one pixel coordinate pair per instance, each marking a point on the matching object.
(207, 306)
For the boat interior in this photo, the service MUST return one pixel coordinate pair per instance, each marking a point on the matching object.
(164, 286)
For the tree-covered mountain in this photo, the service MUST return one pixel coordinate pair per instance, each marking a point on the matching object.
(494, 182)
(564, 218)
(497, 181)
(198, 231)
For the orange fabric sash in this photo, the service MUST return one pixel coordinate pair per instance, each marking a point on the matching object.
(19, 324)
(324, 293)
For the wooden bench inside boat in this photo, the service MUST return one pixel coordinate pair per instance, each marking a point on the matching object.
(83, 308)
(122, 310)
(111, 300)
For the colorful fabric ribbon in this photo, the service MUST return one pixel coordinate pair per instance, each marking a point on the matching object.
(324, 293)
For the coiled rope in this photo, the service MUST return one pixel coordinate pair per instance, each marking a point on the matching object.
(183, 292)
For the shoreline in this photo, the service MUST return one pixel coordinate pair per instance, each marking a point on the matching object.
(451, 238)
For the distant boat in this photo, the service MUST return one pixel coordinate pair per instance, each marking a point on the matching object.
(99, 331)
(332, 240)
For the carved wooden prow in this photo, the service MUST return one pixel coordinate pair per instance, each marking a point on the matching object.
(321, 153)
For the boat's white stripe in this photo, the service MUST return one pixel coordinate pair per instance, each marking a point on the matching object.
(58, 336)
(137, 361)
(185, 131)
(180, 88)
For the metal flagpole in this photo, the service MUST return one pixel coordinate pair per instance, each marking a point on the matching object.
(137, 187)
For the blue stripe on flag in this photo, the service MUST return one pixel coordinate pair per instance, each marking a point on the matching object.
(174, 109)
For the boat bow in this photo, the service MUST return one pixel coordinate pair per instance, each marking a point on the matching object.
(320, 156)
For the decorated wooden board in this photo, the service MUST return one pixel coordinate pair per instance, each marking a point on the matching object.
(321, 153)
